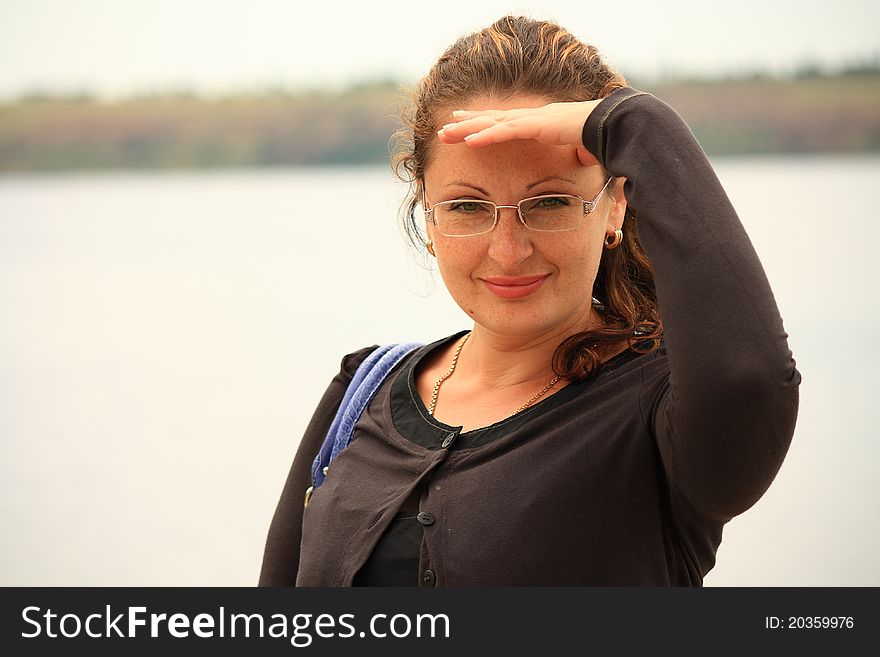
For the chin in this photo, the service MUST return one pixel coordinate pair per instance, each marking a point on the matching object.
(531, 317)
(516, 321)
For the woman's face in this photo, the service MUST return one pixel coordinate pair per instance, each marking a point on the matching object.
(514, 281)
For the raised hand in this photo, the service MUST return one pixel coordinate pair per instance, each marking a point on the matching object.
(556, 124)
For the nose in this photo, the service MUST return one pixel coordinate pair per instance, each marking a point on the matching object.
(510, 241)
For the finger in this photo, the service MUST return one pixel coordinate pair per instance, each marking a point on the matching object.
(503, 132)
(498, 115)
(453, 133)
(586, 157)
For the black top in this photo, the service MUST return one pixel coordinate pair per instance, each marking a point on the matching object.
(395, 559)
(624, 479)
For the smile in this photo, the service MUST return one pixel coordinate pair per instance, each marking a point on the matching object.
(514, 287)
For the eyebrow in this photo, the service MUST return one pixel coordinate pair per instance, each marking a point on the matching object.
(548, 178)
(462, 183)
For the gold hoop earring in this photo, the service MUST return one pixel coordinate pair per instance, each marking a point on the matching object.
(613, 241)
(430, 247)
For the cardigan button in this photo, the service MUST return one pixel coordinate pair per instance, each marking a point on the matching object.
(426, 518)
(448, 440)
(428, 578)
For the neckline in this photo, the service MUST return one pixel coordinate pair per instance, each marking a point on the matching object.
(410, 415)
(420, 404)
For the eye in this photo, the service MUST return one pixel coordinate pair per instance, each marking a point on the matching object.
(552, 202)
(547, 204)
(467, 207)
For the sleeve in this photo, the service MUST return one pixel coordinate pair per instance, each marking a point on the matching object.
(281, 554)
(724, 420)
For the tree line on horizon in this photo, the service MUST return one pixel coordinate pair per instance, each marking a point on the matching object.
(810, 112)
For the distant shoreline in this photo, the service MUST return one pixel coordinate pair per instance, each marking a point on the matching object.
(756, 115)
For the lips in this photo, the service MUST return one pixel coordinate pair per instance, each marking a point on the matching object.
(514, 287)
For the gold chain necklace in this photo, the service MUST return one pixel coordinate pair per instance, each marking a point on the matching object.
(446, 376)
(451, 369)
(552, 383)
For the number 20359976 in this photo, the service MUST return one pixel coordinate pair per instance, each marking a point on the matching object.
(808, 622)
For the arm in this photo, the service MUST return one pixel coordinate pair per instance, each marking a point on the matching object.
(281, 555)
(724, 422)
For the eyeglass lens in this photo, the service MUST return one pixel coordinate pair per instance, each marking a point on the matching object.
(471, 217)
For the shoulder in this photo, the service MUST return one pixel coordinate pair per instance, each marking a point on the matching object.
(641, 371)
(376, 361)
(397, 353)
(350, 362)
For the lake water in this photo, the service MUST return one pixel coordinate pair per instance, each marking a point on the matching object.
(164, 338)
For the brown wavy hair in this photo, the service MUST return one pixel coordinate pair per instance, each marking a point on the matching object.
(520, 56)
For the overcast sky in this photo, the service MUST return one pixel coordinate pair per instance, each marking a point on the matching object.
(113, 47)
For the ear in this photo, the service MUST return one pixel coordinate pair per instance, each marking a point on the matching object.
(429, 227)
(617, 211)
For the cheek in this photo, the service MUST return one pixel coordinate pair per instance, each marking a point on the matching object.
(592, 251)
(580, 272)
(579, 258)
(455, 263)
(456, 275)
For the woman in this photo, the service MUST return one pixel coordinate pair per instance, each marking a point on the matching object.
(570, 437)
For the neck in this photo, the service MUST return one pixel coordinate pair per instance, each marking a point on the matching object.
(495, 360)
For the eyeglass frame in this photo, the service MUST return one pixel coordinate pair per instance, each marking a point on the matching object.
(589, 206)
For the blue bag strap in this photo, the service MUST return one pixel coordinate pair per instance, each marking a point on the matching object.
(364, 384)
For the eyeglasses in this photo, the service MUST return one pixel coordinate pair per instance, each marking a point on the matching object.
(550, 213)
